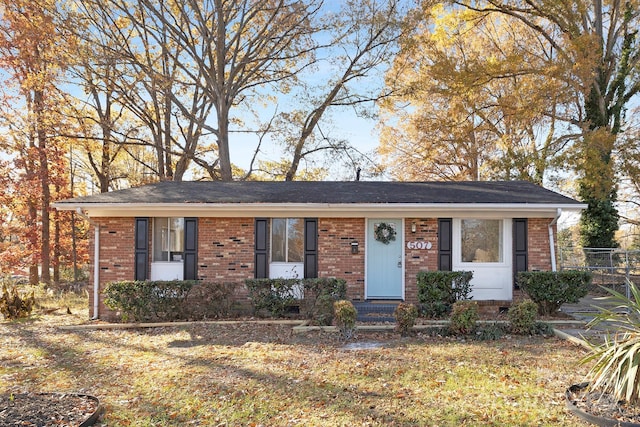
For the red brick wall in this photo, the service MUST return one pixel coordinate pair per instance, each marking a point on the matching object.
(225, 250)
(334, 252)
(116, 256)
(421, 259)
(538, 239)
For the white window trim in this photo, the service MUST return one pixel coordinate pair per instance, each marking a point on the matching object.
(457, 244)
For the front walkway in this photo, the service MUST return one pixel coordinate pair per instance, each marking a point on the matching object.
(584, 311)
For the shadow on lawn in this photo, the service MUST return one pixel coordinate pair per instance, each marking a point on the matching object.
(245, 371)
(312, 391)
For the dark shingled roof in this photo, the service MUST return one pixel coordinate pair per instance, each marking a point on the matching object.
(364, 192)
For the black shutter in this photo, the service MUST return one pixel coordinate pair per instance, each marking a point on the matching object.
(261, 256)
(444, 244)
(141, 248)
(520, 247)
(190, 249)
(310, 248)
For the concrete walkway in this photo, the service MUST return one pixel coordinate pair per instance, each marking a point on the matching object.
(583, 312)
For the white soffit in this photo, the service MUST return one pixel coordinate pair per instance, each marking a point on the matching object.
(320, 210)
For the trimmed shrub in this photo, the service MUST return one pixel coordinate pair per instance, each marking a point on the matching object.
(13, 305)
(277, 296)
(210, 300)
(345, 318)
(319, 296)
(464, 317)
(522, 317)
(140, 301)
(406, 315)
(439, 290)
(551, 289)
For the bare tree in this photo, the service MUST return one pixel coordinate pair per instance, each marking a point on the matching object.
(231, 49)
(139, 65)
(364, 37)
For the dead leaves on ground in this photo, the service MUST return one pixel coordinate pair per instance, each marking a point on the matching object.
(248, 374)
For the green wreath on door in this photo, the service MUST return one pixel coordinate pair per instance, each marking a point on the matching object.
(385, 233)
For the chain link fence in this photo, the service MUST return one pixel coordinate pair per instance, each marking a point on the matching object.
(611, 268)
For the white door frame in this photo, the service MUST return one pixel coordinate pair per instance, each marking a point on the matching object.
(399, 236)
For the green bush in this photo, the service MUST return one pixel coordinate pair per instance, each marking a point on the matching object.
(208, 300)
(274, 295)
(406, 315)
(439, 290)
(319, 296)
(13, 305)
(464, 317)
(551, 289)
(490, 332)
(277, 296)
(141, 301)
(522, 317)
(345, 318)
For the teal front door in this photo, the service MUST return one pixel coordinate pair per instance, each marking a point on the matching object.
(384, 259)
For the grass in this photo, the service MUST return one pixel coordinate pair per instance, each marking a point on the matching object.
(264, 375)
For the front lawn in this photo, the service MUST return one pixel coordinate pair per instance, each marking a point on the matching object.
(252, 375)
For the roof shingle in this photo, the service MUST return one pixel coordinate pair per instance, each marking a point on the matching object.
(325, 192)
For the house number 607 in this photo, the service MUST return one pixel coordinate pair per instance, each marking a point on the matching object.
(419, 245)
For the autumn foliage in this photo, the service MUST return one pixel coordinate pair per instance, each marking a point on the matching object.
(35, 169)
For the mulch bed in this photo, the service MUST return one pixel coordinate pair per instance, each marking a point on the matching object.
(46, 409)
(603, 406)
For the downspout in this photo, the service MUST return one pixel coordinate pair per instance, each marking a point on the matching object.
(552, 246)
(96, 261)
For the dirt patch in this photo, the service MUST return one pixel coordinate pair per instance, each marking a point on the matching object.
(46, 409)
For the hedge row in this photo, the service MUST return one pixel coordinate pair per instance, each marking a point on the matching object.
(315, 296)
(141, 301)
(437, 292)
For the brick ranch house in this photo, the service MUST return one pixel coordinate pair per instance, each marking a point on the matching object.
(375, 235)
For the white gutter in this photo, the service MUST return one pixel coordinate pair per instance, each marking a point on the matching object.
(345, 207)
(354, 210)
(96, 261)
(552, 246)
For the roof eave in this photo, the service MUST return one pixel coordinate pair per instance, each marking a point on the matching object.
(314, 209)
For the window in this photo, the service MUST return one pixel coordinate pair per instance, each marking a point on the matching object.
(481, 240)
(287, 240)
(168, 239)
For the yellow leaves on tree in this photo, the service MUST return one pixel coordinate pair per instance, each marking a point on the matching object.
(476, 103)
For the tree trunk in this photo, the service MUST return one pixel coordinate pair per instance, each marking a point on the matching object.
(56, 247)
(226, 173)
(43, 170)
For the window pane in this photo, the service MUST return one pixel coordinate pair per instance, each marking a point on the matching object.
(295, 236)
(160, 239)
(278, 239)
(177, 238)
(481, 240)
(168, 239)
